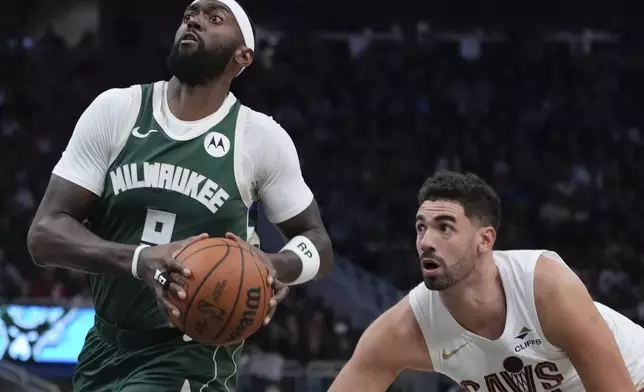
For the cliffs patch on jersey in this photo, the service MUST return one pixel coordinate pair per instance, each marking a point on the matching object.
(171, 178)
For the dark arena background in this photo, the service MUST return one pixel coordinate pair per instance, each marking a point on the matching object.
(543, 100)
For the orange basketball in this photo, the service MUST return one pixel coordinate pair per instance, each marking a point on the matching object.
(227, 296)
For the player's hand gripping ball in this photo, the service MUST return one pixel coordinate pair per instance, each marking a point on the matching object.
(279, 289)
(227, 295)
(155, 266)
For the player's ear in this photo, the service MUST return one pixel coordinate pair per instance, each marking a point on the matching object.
(244, 56)
(487, 237)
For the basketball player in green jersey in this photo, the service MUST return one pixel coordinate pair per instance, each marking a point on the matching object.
(151, 168)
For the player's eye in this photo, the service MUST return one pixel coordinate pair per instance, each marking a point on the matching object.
(445, 228)
(216, 19)
(420, 228)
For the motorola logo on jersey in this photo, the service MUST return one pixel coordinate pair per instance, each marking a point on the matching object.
(216, 144)
(517, 376)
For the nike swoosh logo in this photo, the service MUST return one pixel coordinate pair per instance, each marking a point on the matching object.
(447, 355)
(136, 133)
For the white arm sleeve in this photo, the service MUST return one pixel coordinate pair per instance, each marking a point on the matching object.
(276, 169)
(88, 155)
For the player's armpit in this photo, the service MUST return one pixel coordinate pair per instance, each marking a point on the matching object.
(570, 320)
(58, 238)
(394, 342)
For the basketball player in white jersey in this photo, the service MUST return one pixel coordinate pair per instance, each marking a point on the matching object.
(495, 321)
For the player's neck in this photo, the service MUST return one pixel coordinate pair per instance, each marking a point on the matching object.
(477, 299)
(192, 103)
(476, 289)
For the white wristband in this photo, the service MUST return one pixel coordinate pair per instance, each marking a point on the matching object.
(135, 259)
(306, 251)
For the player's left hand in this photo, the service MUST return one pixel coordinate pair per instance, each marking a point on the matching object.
(280, 290)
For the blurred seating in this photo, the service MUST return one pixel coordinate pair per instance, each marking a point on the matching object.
(557, 132)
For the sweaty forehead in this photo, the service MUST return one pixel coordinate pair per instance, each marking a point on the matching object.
(433, 208)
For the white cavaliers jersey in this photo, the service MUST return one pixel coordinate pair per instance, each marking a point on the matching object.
(521, 360)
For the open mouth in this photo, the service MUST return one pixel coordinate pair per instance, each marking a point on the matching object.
(189, 37)
(430, 265)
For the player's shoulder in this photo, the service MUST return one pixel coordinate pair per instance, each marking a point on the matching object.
(528, 258)
(553, 277)
(261, 126)
(550, 266)
(119, 94)
(525, 267)
(519, 254)
(117, 99)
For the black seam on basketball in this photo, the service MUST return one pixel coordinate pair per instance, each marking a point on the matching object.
(263, 313)
(198, 250)
(268, 294)
(225, 243)
(267, 298)
(203, 281)
(232, 309)
(268, 290)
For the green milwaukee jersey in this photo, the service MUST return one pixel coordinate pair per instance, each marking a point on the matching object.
(159, 189)
(160, 179)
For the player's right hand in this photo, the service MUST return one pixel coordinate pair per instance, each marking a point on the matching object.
(155, 265)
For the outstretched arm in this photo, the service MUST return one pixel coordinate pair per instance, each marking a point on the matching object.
(393, 342)
(570, 320)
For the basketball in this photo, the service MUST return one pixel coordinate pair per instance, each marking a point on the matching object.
(227, 296)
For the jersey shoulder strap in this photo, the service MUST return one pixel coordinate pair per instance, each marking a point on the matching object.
(429, 318)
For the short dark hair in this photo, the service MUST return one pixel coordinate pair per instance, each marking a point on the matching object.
(478, 199)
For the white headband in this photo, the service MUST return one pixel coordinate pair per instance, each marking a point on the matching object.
(242, 21)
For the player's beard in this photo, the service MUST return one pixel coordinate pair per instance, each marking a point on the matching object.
(200, 66)
(451, 275)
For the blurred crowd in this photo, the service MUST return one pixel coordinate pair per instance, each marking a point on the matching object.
(557, 132)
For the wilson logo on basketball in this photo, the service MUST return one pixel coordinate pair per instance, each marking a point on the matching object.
(253, 297)
(517, 377)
